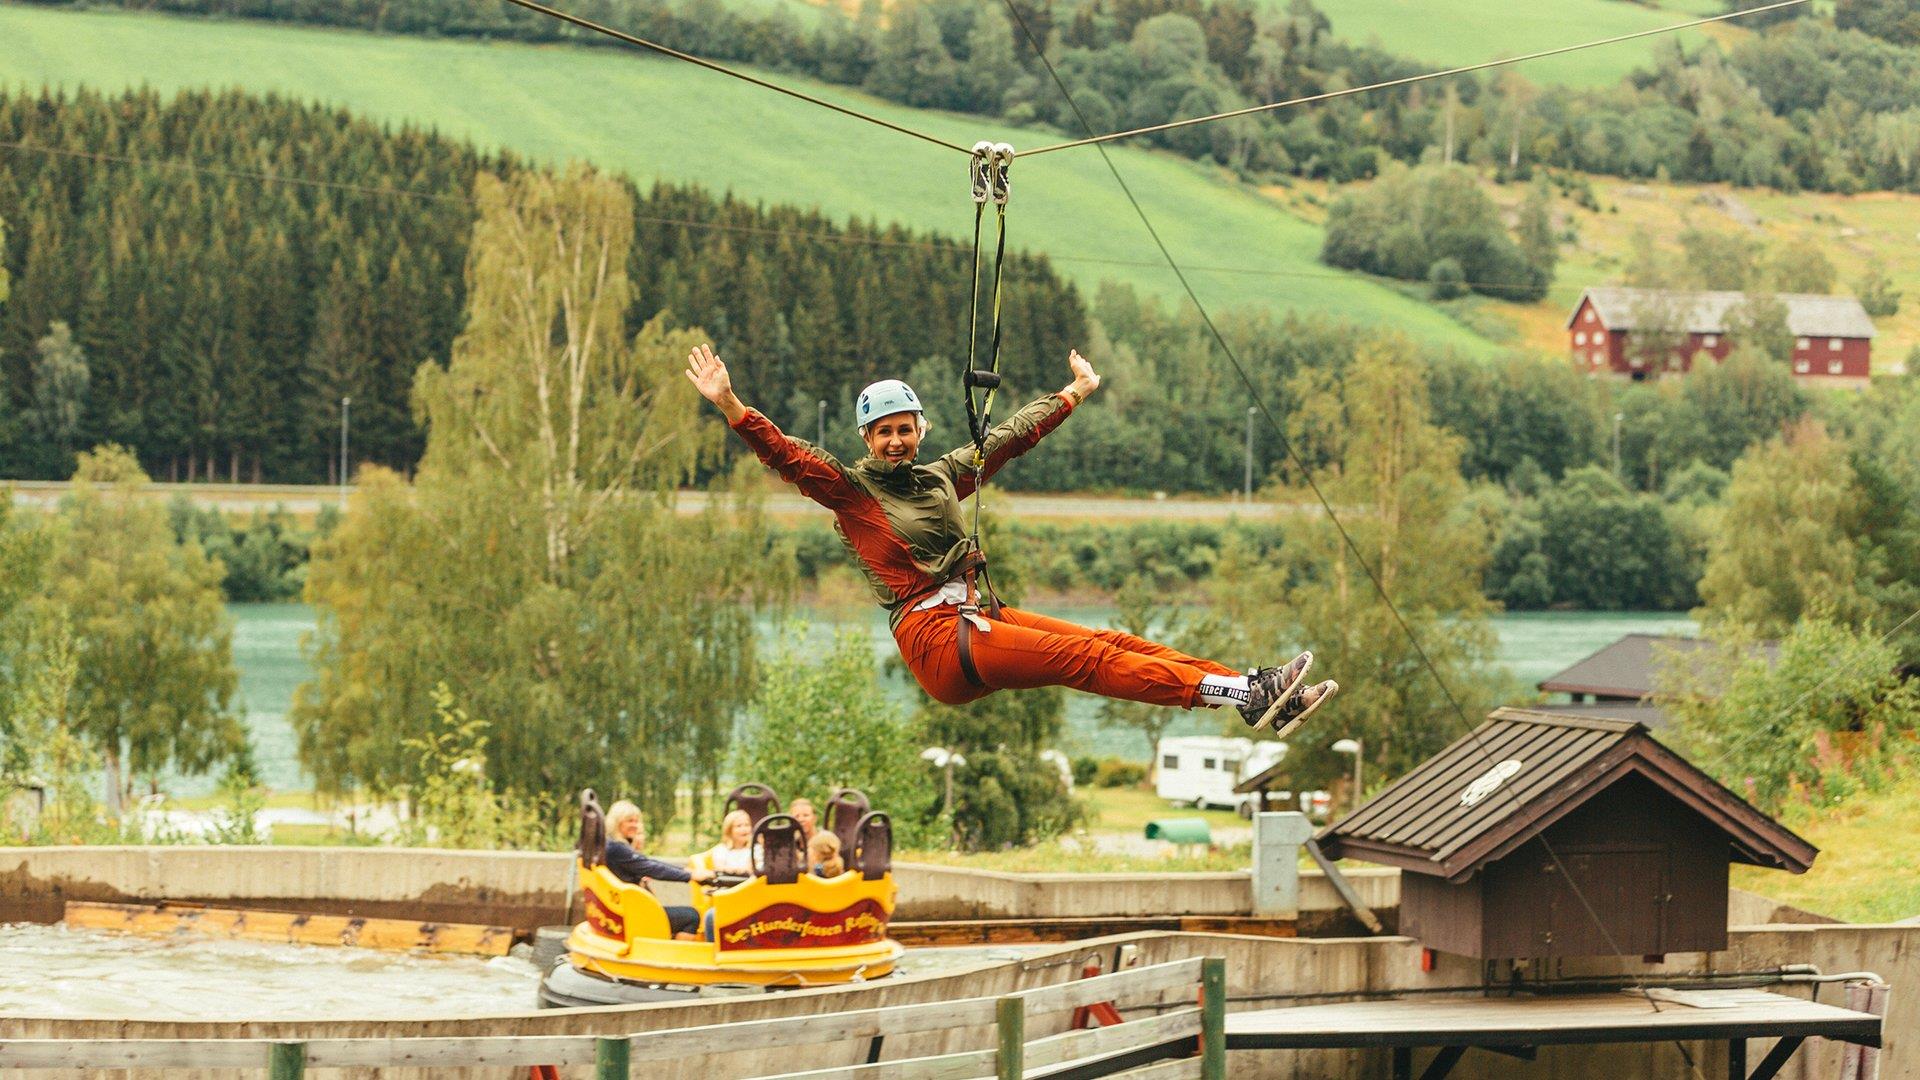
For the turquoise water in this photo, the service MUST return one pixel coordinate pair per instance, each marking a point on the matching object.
(267, 650)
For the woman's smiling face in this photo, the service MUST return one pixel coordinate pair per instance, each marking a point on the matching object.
(894, 438)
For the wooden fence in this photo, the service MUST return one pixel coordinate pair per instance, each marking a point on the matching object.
(1186, 1043)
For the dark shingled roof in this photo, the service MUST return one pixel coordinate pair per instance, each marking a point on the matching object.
(1489, 793)
(1625, 668)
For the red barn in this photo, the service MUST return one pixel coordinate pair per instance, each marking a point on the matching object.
(1833, 336)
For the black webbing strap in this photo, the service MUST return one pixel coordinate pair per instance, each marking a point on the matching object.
(988, 169)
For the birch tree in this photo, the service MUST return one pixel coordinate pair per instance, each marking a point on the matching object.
(537, 565)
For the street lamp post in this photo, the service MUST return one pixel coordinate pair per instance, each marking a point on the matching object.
(821, 427)
(1246, 485)
(1354, 747)
(346, 410)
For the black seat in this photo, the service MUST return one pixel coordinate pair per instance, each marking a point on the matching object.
(873, 853)
(758, 800)
(593, 830)
(845, 808)
(779, 849)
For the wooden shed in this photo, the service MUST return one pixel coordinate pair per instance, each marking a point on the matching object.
(1543, 835)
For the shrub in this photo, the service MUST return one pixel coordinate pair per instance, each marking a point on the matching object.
(1117, 773)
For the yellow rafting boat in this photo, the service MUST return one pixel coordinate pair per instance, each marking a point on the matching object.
(779, 928)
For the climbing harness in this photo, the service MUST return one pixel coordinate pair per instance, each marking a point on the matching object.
(987, 170)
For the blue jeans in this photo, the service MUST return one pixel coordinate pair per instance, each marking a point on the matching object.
(681, 919)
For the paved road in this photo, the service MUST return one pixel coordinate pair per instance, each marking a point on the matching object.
(308, 499)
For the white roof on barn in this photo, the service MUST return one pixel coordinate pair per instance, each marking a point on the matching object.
(1808, 314)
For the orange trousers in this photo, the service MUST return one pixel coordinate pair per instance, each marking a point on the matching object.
(1024, 650)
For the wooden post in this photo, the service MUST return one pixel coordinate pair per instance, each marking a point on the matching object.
(287, 1061)
(1213, 1018)
(1011, 1020)
(610, 1059)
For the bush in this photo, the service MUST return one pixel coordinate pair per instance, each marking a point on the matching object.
(1117, 773)
(821, 722)
(1448, 280)
(1084, 770)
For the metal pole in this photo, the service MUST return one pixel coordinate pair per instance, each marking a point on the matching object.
(822, 444)
(1359, 756)
(611, 1059)
(287, 1061)
(346, 411)
(1246, 490)
(1010, 1018)
(1213, 1019)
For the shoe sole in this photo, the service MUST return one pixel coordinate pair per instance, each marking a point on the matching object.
(1294, 724)
(1286, 695)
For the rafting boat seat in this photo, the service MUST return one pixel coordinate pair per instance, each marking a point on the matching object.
(621, 911)
(779, 849)
(845, 807)
(758, 800)
(873, 849)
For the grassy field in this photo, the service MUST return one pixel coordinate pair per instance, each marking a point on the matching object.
(1854, 232)
(1459, 32)
(1869, 865)
(1463, 32)
(657, 119)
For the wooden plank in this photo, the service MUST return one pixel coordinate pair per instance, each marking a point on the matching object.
(1099, 1042)
(134, 1053)
(1553, 1020)
(285, 926)
(970, 1065)
(814, 1030)
(512, 1050)
(1033, 931)
(1178, 1069)
(1341, 885)
(1133, 984)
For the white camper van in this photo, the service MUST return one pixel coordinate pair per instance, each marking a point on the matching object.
(1201, 770)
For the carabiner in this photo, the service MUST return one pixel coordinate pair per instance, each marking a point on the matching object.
(980, 169)
(1002, 165)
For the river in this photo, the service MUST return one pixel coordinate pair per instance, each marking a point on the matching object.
(267, 637)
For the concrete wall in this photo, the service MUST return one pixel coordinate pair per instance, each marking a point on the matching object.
(1262, 973)
(528, 889)
(523, 889)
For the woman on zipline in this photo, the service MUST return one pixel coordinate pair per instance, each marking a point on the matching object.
(903, 523)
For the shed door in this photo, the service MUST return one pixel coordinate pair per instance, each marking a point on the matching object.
(1626, 888)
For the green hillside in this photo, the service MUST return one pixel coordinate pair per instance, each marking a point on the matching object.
(1468, 31)
(654, 118)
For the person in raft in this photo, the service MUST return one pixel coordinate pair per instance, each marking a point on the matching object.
(625, 834)
(904, 525)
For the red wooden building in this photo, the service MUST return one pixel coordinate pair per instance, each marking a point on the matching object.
(1833, 335)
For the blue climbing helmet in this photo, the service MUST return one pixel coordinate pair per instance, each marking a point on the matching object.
(884, 398)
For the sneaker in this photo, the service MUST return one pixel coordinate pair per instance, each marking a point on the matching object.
(1301, 705)
(1271, 688)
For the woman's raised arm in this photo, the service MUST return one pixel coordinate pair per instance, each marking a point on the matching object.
(709, 376)
(807, 467)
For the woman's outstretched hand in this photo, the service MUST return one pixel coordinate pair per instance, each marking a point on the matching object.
(1085, 379)
(709, 376)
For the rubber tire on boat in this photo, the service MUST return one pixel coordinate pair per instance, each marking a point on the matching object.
(566, 987)
(549, 944)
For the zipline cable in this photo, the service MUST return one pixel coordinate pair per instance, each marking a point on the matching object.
(1094, 140)
(1306, 474)
(643, 43)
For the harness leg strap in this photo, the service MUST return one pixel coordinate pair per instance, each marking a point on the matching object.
(966, 653)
